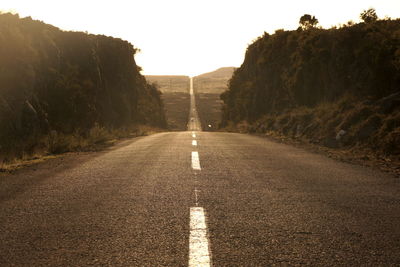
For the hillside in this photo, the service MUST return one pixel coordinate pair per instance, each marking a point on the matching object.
(214, 82)
(224, 73)
(170, 83)
(208, 87)
(175, 96)
(62, 91)
(334, 87)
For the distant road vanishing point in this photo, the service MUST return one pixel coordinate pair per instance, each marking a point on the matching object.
(194, 120)
(194, 198)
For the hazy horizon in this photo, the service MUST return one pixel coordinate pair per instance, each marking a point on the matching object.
(191, 37)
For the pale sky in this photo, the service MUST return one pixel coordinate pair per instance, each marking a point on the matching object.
(190, 37)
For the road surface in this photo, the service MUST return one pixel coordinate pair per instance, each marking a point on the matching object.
(193, 120)
(225, 200)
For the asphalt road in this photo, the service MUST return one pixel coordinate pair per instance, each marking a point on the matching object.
(194, 123)
(262, 204)
(266, 203)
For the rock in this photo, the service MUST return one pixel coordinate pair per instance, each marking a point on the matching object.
(340, 135)
(299, 130)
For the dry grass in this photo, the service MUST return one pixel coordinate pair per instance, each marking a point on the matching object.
(16, 164)
(170, 83)
(209, 108)
(176, 107)
(57, 143)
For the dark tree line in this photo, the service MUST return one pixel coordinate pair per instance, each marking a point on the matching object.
(311, 65)
(68, 82)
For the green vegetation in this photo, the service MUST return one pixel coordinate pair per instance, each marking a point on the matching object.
(62, 91)
(338, 87)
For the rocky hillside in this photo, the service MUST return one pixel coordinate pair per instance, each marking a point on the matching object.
(60, 90)
(335, 87)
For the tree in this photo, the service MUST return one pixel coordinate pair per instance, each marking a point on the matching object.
(369, 15)
(307, 21)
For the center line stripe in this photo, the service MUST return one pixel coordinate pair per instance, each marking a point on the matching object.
(195, 161)
(194, 143)
(199, 251)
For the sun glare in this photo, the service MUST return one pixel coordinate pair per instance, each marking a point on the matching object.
(191, 37)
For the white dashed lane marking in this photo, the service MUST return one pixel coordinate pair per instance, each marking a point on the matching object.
(194, 143)
(199, 251)
(195, 161)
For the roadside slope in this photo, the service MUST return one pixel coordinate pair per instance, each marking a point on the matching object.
(62, 91)
(337, 88)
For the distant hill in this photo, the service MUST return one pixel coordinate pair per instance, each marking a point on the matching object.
(225, 72)
(170, 83)
(208, 88)
(175, 95)
(215, 82)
